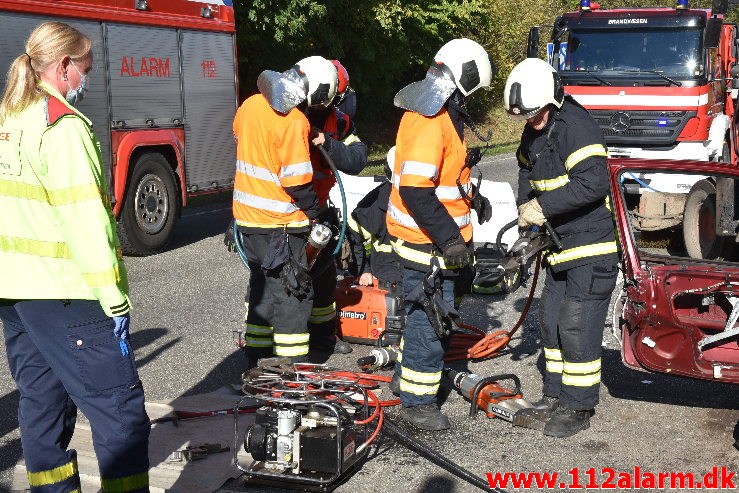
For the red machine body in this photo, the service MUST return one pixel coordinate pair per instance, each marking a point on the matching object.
(366, 312)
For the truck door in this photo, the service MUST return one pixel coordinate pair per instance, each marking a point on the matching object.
(144, 77)
(15, 31)
(209, 83)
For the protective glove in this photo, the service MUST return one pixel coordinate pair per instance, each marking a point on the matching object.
(456, 254)
(229, 238)
(483, 208)
(121, 326)
(530, 214)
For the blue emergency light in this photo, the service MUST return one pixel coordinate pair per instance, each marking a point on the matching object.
(682, 4)
(584, 4)
(662, 123)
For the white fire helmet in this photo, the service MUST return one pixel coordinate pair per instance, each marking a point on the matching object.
(460, 64)
(531, 86)
(322, 79)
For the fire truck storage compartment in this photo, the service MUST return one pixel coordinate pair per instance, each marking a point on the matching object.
(144, 67)
(208, 80)
(14, 32)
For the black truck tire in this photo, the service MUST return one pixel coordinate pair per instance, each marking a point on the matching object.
(699, 223)
(150, 206)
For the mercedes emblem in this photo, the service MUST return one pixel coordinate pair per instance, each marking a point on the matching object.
(620, 121)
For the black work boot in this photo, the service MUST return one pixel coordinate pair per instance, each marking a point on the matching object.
(536, 417)
(336, 346)
(548, 403)
(566, 422)
(394, 385)
(426, 417)
(342, 347)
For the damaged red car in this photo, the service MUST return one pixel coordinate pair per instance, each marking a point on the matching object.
(678, 314)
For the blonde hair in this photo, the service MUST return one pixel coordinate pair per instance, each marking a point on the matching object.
(46, 45)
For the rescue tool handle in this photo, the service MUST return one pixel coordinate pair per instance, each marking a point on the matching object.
(491, 380)
(553, 235)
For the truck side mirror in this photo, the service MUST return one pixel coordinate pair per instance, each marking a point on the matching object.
(532, 47)
(719, 7)
(712, 33)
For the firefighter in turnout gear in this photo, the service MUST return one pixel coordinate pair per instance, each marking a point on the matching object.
(63, 287)
(274, 202)
(372, 252)
(428, 218)
(335, 131)
(563, 180)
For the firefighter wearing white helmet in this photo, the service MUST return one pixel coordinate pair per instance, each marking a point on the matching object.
(274, 203)
(563, 180)
(429, 220)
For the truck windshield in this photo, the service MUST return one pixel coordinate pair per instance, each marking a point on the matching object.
(673, 52)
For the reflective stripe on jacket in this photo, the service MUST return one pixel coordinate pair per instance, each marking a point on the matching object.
(58, 235)
(271, 155)
(564, 165)
(429, 154)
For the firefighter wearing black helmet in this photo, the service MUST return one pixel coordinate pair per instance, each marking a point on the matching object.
(563, 179)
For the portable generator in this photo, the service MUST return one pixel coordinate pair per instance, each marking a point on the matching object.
(369, 314)
(305, 434)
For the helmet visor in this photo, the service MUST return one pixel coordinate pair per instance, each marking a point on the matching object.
(282, 90)
(428, 96)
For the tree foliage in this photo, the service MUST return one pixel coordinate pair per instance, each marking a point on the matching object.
(386, 44)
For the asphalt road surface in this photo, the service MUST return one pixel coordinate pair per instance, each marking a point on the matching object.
(188, 299)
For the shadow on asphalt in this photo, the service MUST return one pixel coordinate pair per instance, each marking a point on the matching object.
(10, 451)
(142, 338)
(202, 222)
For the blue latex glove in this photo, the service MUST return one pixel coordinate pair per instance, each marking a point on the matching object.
(121, 326)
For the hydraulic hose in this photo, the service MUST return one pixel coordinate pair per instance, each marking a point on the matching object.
(240, 246)
(331, 165)
(433, 456)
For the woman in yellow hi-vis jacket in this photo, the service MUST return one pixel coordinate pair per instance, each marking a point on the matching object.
(63, 287)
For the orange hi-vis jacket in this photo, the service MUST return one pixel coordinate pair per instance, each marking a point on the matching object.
(429, 153)
(272, 154)
(323, 176)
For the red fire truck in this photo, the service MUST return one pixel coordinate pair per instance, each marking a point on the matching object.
(162, 98)
(662, 84)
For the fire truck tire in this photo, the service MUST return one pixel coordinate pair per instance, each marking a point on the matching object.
(699, 224)
(150, 206)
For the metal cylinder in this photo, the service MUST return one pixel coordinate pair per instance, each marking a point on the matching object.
(287, 421)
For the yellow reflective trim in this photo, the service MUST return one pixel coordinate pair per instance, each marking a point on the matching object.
(50, 249)
(411, 388)
(382, 247)
(322, 310)
(258, 342)
(23, 190)
(523, 159)
(123, 485)
(547, 185)
(554, 366)
(291, 350)
(295, 224)
(104, 278)
(71, 195)
(555, 354)
(420, 377)
(351, 139)
(582, 252)
(52, 476)
(321, 318)
(589, 367)
(291, 338)
(580, 380)
(415, 255)
(485, 290)
(357, 228)
(584, 153)
(259, 329)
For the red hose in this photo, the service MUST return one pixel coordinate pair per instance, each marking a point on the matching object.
(481, 345)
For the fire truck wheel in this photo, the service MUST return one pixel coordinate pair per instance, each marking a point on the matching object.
(699, 224)
(150, 206)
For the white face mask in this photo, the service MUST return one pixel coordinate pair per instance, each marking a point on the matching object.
(75, 96)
